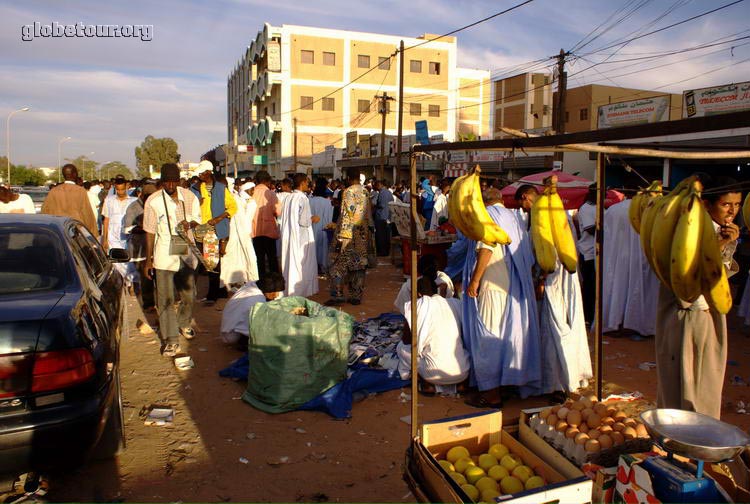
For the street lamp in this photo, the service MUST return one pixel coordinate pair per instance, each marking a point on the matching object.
(7, 136)
(92, 166)
(59, 167)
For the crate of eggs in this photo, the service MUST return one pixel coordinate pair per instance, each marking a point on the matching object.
(586, 430)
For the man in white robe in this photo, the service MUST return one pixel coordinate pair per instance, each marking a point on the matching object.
(440, 210)
(298, 262)
(235, 319)
(240, 264)
(426, 266)
(321, 206)
(442, 358)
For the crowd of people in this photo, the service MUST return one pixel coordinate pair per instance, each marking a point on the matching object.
(490, 323)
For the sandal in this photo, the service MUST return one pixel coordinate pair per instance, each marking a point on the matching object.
(427, 390)
(479, 401)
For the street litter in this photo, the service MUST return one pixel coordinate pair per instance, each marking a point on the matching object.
(275, 461)
(741, 407)
(160, 416)
(250, 435)
(300, 430)
(183, 363)
(738, 381)
(243, 460)
(406, 419)
(647, 366)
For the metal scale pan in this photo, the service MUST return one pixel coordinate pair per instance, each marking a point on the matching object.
(694, 435)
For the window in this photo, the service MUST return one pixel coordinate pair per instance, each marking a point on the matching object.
(434, 111)
(306, 102)
(329, 104)
(31, 259)
(567, 116)
(384, 63)
(434, 68)
(273, 108)
(363, 106)
(363, 61)
(307, 56)
(583, 114)
(415, 109)
(415, 66)
(329, 58)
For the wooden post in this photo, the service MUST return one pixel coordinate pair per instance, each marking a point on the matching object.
(601, 190)
(414, 221)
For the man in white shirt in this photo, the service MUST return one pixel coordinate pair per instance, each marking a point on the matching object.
(587, 250)
(442, 358)
(113, 232)
(11, 202)
(166, 209)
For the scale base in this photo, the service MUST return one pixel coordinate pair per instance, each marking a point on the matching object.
(675, 481)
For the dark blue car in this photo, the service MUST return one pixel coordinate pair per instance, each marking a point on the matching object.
(61, 314)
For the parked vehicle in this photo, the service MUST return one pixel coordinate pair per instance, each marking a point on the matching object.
(61, 314)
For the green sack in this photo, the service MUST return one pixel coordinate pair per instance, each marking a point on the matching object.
(292, 357)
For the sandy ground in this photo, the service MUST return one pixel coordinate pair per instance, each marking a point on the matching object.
(221, 449)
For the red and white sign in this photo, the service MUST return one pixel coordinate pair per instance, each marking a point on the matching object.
(716, 100)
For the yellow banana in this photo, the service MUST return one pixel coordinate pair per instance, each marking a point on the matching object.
(647, 226)
(561, 234)
(640, 201)
(454, 204)
(746, 211)
(473, 219)
(541, 233)
(663, 231)
(685, 271)
(714, 281)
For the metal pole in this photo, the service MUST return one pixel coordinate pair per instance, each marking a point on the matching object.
(59, 159)
(600, 193)
(295, 144)
(7, 137)
(413, 245)
(400, 105)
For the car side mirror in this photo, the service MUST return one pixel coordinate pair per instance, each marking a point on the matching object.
(118, 255)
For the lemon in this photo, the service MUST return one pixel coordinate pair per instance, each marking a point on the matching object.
(486, 461)
(446, 465)
(490, 495)
(485, 483)
(511, 485)
(463, 463)
(456, 453)
(523, 473)
(510, 461)
(474, 474)
(534, 482)
(498, 451)
(458, 478)
(498, 472)
(471, 491)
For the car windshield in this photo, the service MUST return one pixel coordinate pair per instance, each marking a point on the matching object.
(30, 260)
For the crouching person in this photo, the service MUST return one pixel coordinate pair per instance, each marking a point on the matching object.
(235, 320)
(441, 357)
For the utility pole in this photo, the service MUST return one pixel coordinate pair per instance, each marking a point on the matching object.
(382, 110)
(400, 108)
(295, 144)
(562, 84)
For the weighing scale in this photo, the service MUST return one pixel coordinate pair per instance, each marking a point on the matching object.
(695, 436)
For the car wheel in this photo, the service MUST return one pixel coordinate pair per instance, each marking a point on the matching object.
(112, 439)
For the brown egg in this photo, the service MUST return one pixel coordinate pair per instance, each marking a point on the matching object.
(605, 442)
(629, 433)
(608, 421)
(611, 411)
(581, 438)
(594, 420)
(620, 416)
(572, 432)
(562, 413)
(578, 405)
(594, 434)
(586, 412)
(592, 446)
(617, 438)
(592, 399)
(574, 418)
(545, 413)
(556, 408)
(583, 427)
(552, 420)
(605, 429)
(561, 426)
(600, 409)
(568, 403)
(618, 426)
(641, 431)
(630, 422)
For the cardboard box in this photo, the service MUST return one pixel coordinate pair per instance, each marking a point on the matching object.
(477, 432)
(733, 477)
(633, 481)
(543, 449)
(604, 479)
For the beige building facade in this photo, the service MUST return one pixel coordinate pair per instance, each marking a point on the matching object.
(324, 83)
(522, 102)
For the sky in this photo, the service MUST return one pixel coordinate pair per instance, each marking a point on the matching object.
(109, 93)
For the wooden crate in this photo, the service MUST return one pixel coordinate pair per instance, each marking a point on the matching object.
(543, 449)
(477, 432)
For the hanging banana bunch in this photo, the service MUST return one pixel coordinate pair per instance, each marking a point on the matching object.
(468, 212)
(680, 242)
(640, 202)
(550, 231)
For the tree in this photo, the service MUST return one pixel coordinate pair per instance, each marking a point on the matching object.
(20, 175)
(113, 168)
(86, 167)
(154, 152)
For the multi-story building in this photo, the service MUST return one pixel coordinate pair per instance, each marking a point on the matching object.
(522, 102)
(300, 89)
